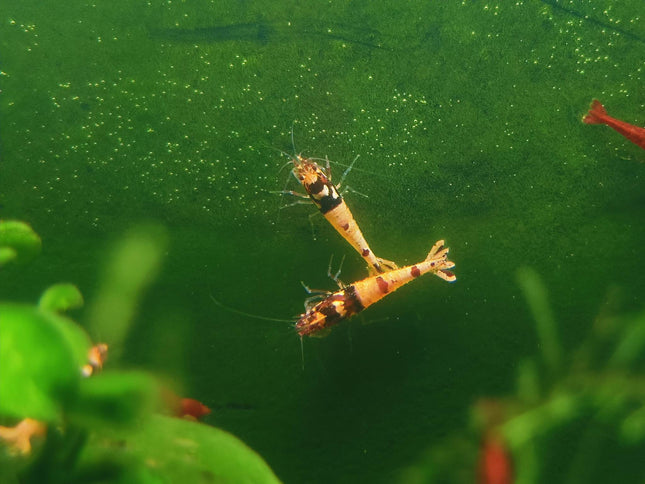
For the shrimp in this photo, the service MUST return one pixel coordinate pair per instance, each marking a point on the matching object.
(352, 299)
(96, 356)
(598, 115)
(18, 437)
(325, 195)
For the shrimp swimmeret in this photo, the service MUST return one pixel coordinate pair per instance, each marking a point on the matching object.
(352, 299)
(325, 195)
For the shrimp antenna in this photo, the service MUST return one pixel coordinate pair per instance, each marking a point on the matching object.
(291, 161)
(284, 153)
(293, 143)
(250, 315)
(284, 166)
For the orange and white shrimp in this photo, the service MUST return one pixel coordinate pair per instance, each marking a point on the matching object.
(352, 299)
(96, 356)
(18, 437)
(325, 195)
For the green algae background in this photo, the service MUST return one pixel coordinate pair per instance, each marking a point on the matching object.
(466, 117)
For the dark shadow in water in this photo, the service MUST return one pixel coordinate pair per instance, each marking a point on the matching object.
(263, 33)
(251, 32)
(593, 21)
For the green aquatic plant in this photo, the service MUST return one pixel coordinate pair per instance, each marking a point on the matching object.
(108, 427)
(18, 242)
(572, 413)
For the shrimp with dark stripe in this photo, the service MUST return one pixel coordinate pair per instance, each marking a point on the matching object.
(325, 195)
(352, 299)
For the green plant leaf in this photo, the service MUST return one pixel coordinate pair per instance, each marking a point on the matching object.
(557, 410)
(632, 429)
(183, 451)
(114, 398)
(7, 254)
(629, 348)
(77, 339)
(61, 297)
(537, 298)
(40, 354)
(132, 266)
(18, 242)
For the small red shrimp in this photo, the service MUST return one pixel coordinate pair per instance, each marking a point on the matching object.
(598, 115)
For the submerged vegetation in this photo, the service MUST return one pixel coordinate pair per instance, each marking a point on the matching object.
(573, 417)
(116, 426)
(567, 411)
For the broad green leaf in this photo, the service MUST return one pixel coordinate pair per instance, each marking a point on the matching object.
(179, 450)
(39, 362)
(7, 254)
(78, 340)
(114, 398)
(18, 242)
(528, 382)
(61, 297)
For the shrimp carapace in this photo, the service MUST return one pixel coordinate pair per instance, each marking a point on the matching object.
(355, 297)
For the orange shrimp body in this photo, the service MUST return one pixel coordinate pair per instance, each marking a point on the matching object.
(326, 197)
(19, 437)
(354, 298)
(96, 356)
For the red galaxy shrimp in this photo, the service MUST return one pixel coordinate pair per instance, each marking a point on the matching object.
(317, 183)
(352, 299)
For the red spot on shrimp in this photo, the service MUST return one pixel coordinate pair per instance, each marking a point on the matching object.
(366, 252)
(415, 271)
(382, 284)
